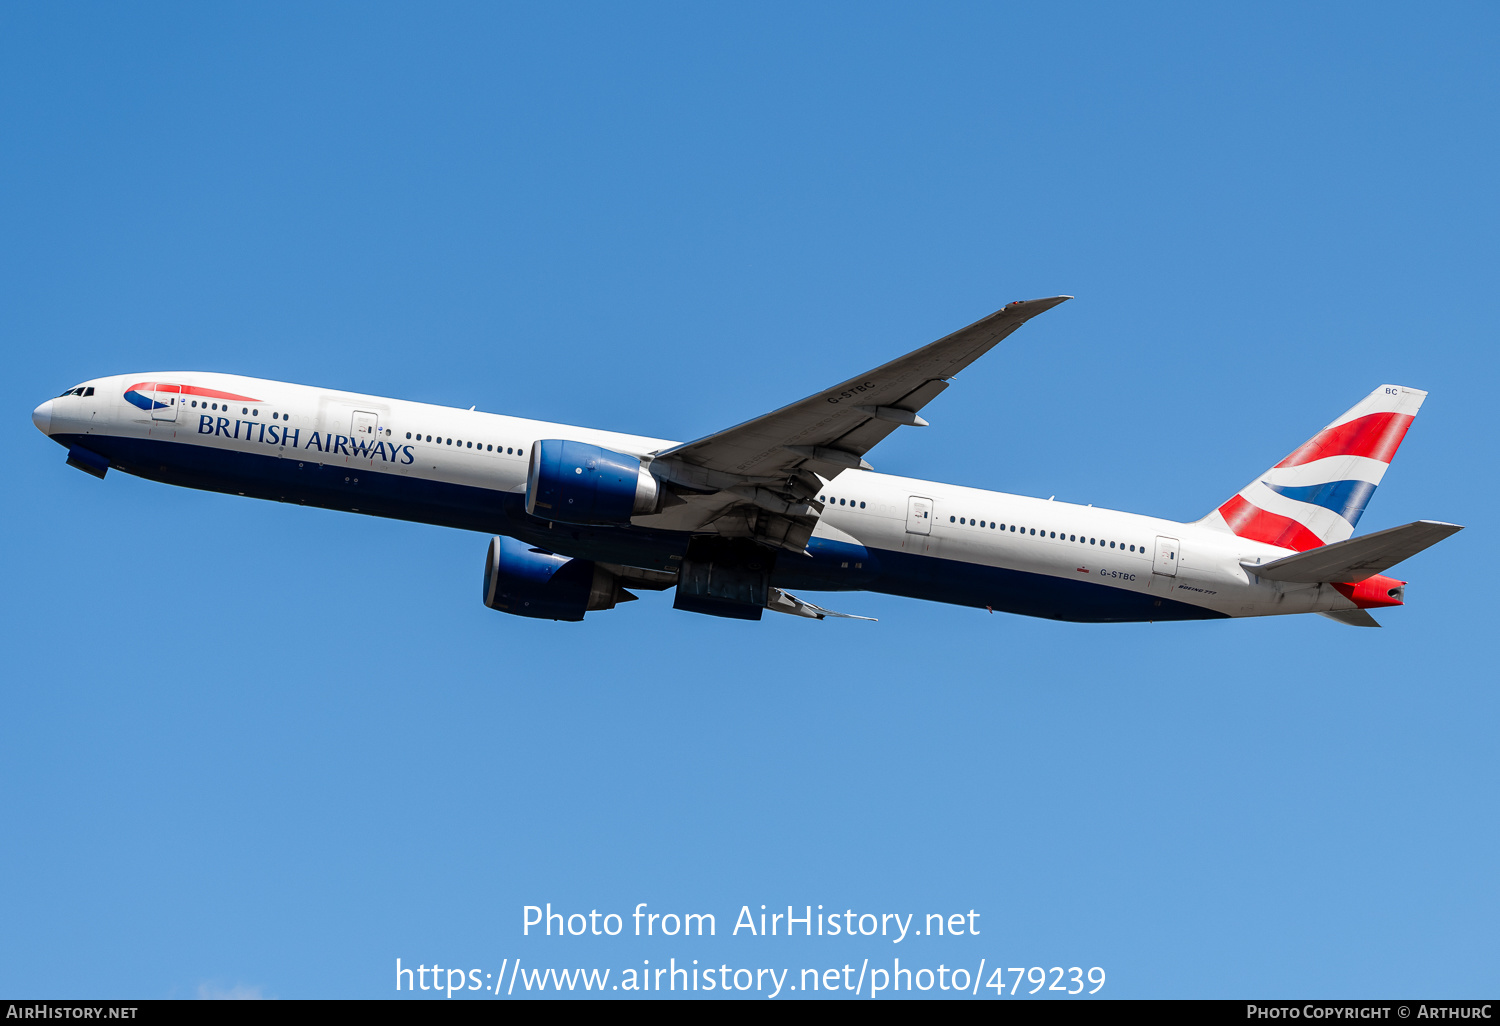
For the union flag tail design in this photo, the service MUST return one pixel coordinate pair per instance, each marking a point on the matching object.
(1317, 494)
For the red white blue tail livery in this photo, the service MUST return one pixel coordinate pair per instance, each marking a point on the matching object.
(1318, 493)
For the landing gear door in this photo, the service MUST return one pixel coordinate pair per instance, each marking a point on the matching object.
(918, 515)
(1168, 550)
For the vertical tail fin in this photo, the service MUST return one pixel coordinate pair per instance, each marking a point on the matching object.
(1317, 494)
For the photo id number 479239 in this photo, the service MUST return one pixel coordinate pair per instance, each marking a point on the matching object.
(1072, 980)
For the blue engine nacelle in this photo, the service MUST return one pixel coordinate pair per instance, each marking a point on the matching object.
(530, 581)
(579, 483)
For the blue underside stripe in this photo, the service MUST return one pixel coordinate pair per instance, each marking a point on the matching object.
(832, 567)
(1346, 498)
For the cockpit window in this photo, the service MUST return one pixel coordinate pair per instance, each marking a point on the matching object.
(88, 391)
(80, 390)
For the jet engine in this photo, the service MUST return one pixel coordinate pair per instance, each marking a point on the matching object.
(579, 483)
(530, 581)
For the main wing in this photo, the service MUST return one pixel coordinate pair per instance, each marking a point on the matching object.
(759, 479)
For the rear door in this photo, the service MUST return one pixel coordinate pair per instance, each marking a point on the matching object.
(1168, 550)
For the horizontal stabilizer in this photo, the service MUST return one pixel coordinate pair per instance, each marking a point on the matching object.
(1352, 617)
(1354, 560)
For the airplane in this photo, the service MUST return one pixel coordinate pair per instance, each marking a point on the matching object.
(736, 520)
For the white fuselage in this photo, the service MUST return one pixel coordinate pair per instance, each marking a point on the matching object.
(345, 435)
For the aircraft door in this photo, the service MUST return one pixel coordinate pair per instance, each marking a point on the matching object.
(918, 515)
(164, 401)
(365, 426)
(1168, 550)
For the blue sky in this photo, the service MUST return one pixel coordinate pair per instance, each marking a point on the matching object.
(250, 746)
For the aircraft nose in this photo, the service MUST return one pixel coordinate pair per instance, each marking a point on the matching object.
(42, 417)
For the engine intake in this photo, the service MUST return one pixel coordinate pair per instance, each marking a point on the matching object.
(529, 581)
(579, 483)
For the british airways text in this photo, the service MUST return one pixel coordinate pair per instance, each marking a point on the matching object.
(275, 434)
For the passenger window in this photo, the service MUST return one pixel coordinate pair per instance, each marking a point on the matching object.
(951, 520)
(244, 410)
(861, 505)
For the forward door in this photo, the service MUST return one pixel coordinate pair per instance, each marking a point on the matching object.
(164, 401)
